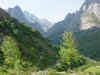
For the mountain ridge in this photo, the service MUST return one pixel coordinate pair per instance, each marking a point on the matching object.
(79, 20)
(17, 13)
(30, 19)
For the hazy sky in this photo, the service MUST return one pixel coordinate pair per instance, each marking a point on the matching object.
(53, 10)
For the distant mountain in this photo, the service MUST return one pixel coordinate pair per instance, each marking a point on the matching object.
(29, 19)
(17, 13)
(41, 25)
(45, 24)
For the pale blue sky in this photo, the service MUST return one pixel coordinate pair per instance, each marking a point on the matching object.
(53, 10)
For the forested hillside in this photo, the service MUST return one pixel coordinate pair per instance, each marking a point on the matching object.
(88, 42)
(22, 47)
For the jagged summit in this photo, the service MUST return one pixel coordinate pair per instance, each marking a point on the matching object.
(17, 8)
(87, 3)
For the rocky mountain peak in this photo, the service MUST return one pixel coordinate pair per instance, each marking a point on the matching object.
(17, 8)
(90, 4)
(90, 16)
(17, 13)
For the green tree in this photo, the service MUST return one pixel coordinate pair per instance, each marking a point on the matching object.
(70, 57)
(11, 52)
(1, 58)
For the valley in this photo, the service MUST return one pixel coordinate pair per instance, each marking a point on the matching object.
(33, 46)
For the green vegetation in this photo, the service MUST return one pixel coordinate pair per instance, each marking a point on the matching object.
(88, 43)
(22, 48)
(93, 69)
(24, 51)
(52, 72)
(69, 55)
(11, 53)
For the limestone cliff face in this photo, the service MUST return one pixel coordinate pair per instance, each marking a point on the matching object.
(91, 14)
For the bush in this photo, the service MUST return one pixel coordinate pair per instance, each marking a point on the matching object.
(82, 68)
(52, 72)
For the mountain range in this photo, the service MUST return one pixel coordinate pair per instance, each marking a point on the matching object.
(85, 25)
(41, 25)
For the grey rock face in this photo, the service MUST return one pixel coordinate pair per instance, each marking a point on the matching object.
(82, 19)
(17, 13)
(71, 23)
(91, 15)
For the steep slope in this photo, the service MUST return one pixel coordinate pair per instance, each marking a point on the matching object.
(44, 23)
(88, 42)
(22, 45)
(70, 23)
